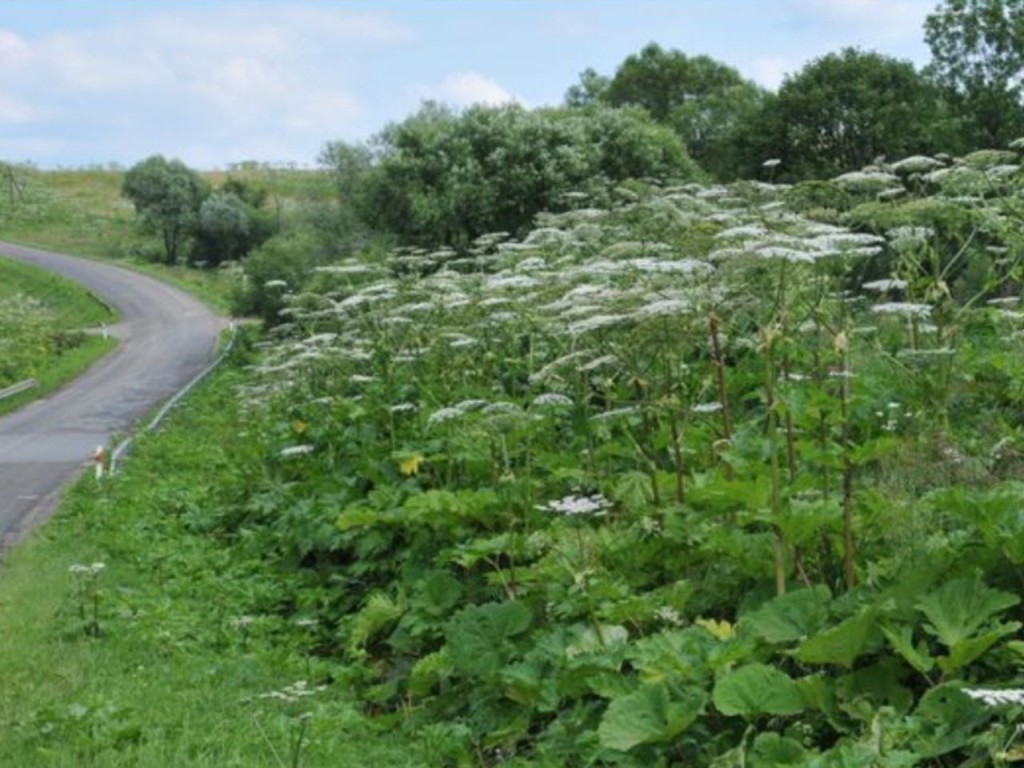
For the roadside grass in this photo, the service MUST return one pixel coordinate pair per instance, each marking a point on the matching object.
(214, 287)
(82, 212)
(72, 306)
(64, 367)
(70, 310)
(183, 656)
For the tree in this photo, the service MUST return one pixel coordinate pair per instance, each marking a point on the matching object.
(444, 178)
(842, 111)
(222, 229)
(978, 56)
(705, 101)
(167, 195)
(590, 90)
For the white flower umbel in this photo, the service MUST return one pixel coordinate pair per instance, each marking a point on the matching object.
(903, 308)
(711, 407)
(551, 399)
(595, 505)
(885, 285)
(294, 693)
(295, 450)
(994, 697)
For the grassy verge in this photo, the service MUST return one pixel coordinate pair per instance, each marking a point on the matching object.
(68, 309)
(72, 306)
(64, 367)
(164, 657)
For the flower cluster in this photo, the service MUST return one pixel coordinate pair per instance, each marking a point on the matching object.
(993, 697)
(595, 505)
(87, 571)
(294, 693)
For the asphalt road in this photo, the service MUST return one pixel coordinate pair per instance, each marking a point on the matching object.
(167, 337)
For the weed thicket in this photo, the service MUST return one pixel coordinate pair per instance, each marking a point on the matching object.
(686, 476)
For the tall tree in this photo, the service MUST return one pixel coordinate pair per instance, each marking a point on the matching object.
(845, 109)
(978, 55)
(167, 195)
(442, 177)
(704, 100)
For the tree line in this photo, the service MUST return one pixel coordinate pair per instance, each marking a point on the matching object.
(442, 177)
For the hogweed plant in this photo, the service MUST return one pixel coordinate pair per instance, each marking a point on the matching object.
(716, 370)
(85, 589)
(294, 700)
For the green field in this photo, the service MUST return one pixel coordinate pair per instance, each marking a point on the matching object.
(70, 306)
(46, 323)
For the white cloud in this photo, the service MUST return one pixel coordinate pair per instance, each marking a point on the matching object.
(885, 21)
(465, 88)
(232, 74)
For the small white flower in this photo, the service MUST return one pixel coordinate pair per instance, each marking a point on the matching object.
(669, 615)
(885, 285)
(711, 407)
(595, 505)
(295, 450)
(904, 308)
(993, 697)
(551, 399)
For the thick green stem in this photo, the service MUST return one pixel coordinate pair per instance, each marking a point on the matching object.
(723, 397)
(778, 544)
(849, 556)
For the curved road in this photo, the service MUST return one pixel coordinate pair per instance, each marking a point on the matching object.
(167, 337)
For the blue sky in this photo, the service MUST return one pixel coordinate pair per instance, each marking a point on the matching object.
(221, 81)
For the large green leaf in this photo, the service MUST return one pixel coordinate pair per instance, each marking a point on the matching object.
(959, 608)
(770, 750)
(966, 651)
(439, 593)
(757, 689)
(843, 643)
(945, 720)
(790, 617)
(653, 714)
(902, 641)
(478, 636)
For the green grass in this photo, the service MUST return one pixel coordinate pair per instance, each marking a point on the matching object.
(82, 212)
(63, 368)
(72, 309)
(176, 674)
(72, 306)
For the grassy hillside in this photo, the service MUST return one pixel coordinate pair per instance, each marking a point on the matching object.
(82, 212)
(43, 319)
(70, 306)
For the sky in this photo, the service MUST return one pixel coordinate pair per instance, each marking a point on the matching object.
(216, 82)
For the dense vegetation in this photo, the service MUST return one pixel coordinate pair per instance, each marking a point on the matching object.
(42, 322)
(557, 453)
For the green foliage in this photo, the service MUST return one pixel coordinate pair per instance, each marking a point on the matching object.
(656, 713)
(705, 101)
(167, 195)
(757, 689)
(442, 178)
(843, 110)
(685, 474)
(977, 51)
(41, 320)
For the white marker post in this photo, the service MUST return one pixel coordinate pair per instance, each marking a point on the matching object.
(97, 457)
